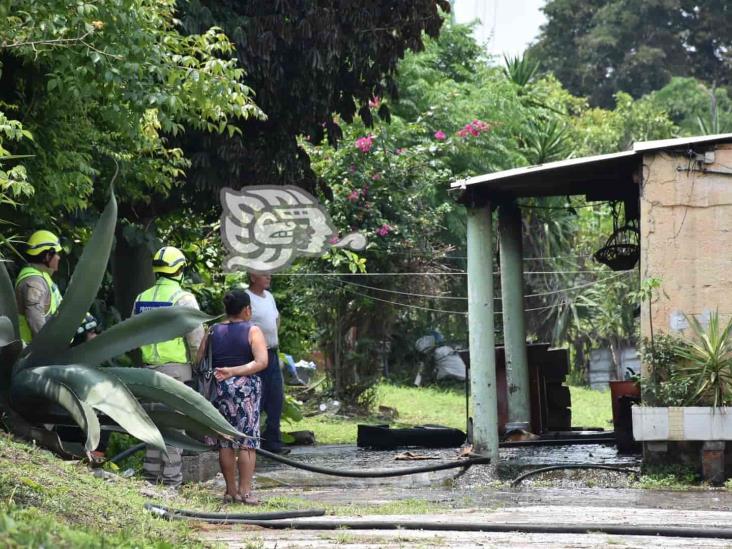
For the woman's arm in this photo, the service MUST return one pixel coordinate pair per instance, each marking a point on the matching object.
(259, 350)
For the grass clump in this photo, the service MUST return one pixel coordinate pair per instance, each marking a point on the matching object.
(47, 502)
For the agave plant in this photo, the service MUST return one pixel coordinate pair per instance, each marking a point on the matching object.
(48, 369)
(707, 362)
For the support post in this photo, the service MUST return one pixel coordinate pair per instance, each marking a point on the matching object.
(481, 327)
(514, 326)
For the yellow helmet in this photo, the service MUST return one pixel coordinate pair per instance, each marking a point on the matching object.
(42, 241)
(168, 260)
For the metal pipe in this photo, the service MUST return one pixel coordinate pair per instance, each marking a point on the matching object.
(480, 327)
(514, 327)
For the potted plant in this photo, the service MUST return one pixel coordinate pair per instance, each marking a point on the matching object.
(689, 386)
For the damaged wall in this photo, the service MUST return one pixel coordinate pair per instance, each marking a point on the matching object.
(686, 237)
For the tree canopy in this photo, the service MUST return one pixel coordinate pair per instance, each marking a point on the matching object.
(599, 47)
(89, 82)
(305, 61)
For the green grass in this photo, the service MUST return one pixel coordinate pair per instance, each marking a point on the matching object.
(591, 408)
(425, 405)
(47, 502)
(415, 405)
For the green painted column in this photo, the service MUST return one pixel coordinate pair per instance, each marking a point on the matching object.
(481, 332)
(514, 326)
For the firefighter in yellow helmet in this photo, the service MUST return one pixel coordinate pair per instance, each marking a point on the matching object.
(172, 357)
(36, 294)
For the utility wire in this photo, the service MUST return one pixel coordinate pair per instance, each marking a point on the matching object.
(443, 311)
(462, 298)
(452, 273)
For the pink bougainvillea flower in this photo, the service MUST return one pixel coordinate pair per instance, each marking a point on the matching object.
(474, 128)
(365, 191)
(364, 144)
(384, 230)
(375, 102)
(440, 135)
(354, 196)
(376, 176)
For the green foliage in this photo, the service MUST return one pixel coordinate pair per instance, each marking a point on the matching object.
(600, 47)
(43, 368)
(662, 386)
(707, 361)
(111, 79)
(309, 61)
(695, 107)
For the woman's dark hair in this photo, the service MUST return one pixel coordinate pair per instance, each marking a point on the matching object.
(235, 301)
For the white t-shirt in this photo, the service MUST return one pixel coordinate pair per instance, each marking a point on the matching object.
(265, 315)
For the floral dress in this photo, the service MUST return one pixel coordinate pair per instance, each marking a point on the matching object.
(238, 396)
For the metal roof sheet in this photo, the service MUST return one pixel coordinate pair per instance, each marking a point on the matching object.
(594, 176)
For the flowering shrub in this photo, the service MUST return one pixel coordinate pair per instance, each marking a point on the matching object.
(474, 128)
(440, 135)
(364, 144)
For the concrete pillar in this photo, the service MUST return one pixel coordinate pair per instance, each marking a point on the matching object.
(481, 327)
(514, 326)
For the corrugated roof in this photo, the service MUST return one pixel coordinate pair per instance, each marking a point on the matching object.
(598, 177)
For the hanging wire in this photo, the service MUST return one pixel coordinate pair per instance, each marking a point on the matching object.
(443, 311)
(462, 298)
(452, 273)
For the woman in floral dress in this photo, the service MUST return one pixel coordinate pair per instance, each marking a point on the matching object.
(238, 352)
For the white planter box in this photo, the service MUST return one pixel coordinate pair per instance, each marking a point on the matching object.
(682, 423)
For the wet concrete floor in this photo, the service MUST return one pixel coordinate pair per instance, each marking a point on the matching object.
(482, 494)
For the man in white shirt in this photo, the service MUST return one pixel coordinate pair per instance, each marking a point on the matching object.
(267, 317)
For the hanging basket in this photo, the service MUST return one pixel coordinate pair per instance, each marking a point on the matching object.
(622, 250)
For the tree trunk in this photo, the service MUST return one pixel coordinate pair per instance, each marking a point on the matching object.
(132, 274)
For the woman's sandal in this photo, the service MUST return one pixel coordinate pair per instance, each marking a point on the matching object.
(249, 499)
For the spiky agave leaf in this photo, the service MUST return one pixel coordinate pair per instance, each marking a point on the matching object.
(149, 327)
(8, 306)
(176, 420)
(101, 391)
(80, 294)
(7, 331)
(32, 383)
(176, 438)
(156, 387)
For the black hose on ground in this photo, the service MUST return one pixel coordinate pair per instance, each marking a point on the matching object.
(584, 528)
(519, 478)
(171, 514)
(127, 453)
(383, 473)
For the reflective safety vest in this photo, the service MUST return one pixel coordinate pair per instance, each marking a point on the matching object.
(165, 293)
(25, 332)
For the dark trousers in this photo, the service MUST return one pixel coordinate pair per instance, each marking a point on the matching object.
(273, 396)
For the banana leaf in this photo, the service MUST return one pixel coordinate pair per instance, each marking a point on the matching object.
(7, 299)
(149, 327)
(174, 420)
(32, 383)
(80, 294)
(177, 439)
(157, 387)
(7, 331)
(103, 392)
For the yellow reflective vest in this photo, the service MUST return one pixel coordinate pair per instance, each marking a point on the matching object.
(25, 332)
(165, 293)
